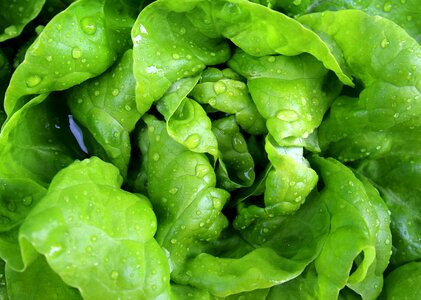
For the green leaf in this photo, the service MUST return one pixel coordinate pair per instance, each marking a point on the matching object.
(235, 164)
(229, 96)
(14, 16)
(291, 93)
(187, 121)
(378, 129)
(181, 186)
(36, 142)
(38, 281)
(187, 36)
(97, 237)
(402, 283)
(358, 247)
(79, 43)
(276, 254)
(105, 105)
(405, 13)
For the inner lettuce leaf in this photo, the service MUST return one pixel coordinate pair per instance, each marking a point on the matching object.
(187, 121)
(187, 36)
(379, 129)
(188, 208)
(80, 42)
(105, 106)
(97, 237)
(225, 91)
(358, 247)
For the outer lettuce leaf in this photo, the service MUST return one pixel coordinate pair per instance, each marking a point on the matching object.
(34, 145)
(106, 106)
(405, 13)
(37, 142)
(358, 247)
(15, 15)
(79, 43)
(229, 95)
(38, 281)
(97, 237)
(403, 282)
(398, 177)
(379, 130)
(276, 254)
(187, 36)
(187, 121)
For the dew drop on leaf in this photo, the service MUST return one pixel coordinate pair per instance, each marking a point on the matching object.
(192, 141)
(76, 53)
(88, 25)
(287, 115)
(27, 201)
(219, 87)
(33, 81)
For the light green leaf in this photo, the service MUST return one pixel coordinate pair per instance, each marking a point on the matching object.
(79, 43)
(97, 237)
(105, 106)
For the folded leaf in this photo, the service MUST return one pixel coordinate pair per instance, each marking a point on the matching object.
(79, 43)
(14, 16)
(181, 186)
(49, 284)
(187, 36)
(187, 121)
(106, 107)
(97, 237)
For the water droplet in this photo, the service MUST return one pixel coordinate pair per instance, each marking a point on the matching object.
(173, 241)
(384, 43)
(173, 191)
(182, 30)
(89, 249)
(33, 81)
(176, 56)
(11, 206)
(127, 107)
(296, 2)
(11, 30)
(409, 18)
(238, 143)
(271, 59)
(115, 92)
(88, 25)
(27, 201)
(387, 241)
(219, 87)
(192, 141)
(155, 156)
(201, 170)
(49, 58)
(287, 115)
(76, 53)
(114, 275)
(96, 93)
(216, 203)
(387, 7)
(198, 212)
(396, 115)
